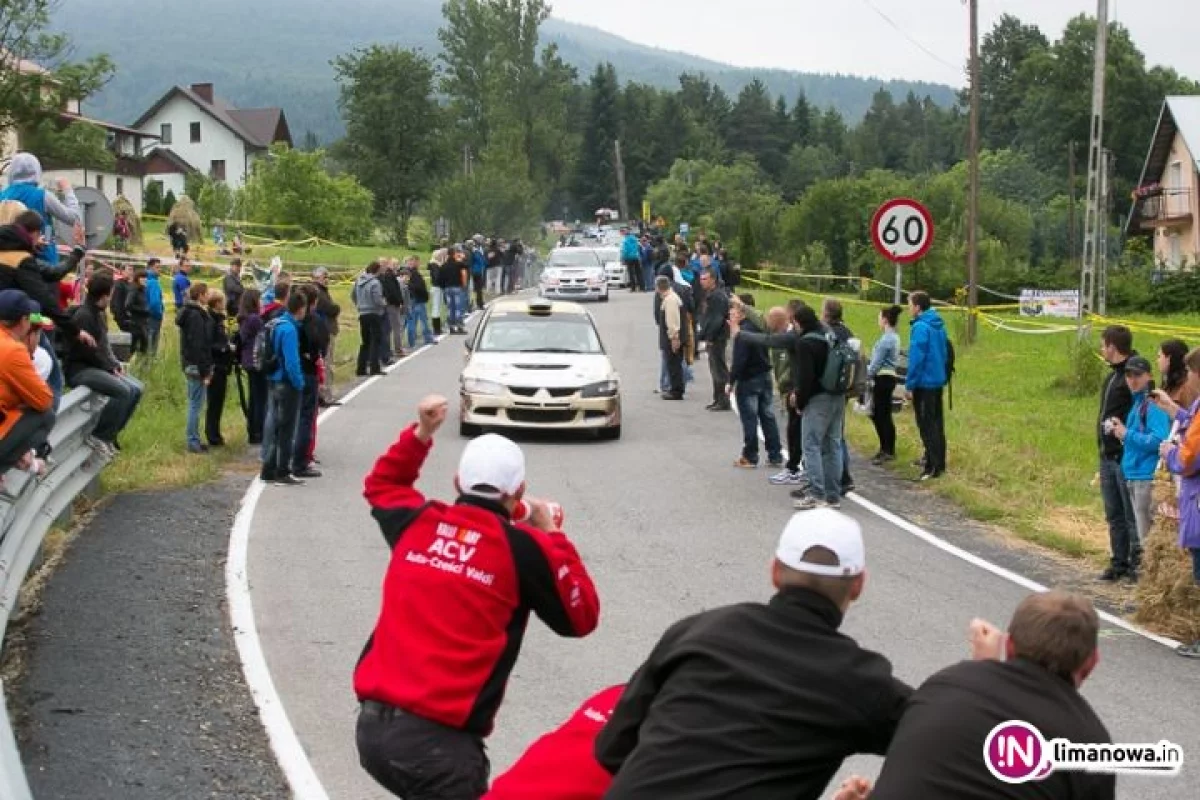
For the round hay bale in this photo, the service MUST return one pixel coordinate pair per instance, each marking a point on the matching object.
(184, 213)
(1168, 599)
(135, 221)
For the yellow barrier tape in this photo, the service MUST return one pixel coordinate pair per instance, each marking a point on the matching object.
(842, 298)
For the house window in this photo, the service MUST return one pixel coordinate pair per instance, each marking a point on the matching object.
(165, 133)
(121, 186)
(217, 171)
(195, 132)
(100, 182)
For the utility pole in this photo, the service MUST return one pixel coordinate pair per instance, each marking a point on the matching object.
(1106, 178)
(1072, 242)
(973, 198)
(1093, 215)
(622, 199)
(468, 161)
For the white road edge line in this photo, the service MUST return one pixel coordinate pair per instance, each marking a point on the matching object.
(285, 744)
(977, 561)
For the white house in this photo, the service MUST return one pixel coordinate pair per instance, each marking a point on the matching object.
(199, 132)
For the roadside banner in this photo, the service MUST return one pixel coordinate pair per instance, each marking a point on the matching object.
(1044, 303)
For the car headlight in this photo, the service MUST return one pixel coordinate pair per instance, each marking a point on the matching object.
(609, 388)
(476, 386)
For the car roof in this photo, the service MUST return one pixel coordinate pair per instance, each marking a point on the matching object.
(557, 307)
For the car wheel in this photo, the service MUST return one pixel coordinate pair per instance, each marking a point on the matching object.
(469, 431)
(604, 297)
(610, 434)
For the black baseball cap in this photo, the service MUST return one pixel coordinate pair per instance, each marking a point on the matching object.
(1138, 365)
(15, 304)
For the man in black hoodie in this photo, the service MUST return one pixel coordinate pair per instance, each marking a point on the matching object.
(714, 329)
(1117, 401)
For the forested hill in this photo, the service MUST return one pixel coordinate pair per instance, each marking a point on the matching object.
(277, 52)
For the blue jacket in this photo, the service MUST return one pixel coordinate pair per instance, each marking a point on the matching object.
(154, 295)
(630, 248)
(478, 263)
(287, 346)
(927, 352)
(1147, 427)
(180, 284)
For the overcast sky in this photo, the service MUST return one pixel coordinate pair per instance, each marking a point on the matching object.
(850, 36)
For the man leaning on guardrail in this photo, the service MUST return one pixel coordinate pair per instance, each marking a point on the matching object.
(26, 413)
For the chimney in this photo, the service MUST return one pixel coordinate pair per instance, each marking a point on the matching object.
(205, 91)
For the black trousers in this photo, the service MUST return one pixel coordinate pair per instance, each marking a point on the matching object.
(139, 336)
(217, 388)
(478, 282)
(927, 403)
(256, 408)
(718, 367)
(417, 759)
(30, 432)
(370, 328)
(881, 413)
(675, 370)
(634, 268)
(795, 440)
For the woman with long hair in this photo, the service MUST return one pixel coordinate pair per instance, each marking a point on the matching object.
(1171, 364)
(250, 327)
(882, 374)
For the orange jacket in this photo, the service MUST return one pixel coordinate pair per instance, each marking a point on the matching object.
(21, 388)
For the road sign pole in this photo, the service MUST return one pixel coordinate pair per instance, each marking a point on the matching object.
(899, 280)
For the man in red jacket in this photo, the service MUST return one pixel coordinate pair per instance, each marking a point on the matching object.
(457, 595)
(562, 764)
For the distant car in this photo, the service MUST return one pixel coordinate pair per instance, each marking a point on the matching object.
(538, 364)
(617, 273)
(574, 273)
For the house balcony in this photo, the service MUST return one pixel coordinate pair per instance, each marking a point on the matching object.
(1168, 208)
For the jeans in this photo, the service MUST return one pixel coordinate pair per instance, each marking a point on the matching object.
(385, 339)
(30, 432)
(195, 405)
(419, 316)
(398, 322)
(718, 368)
(155, 333)
(495, 280)
(822, 434)
(56, 380)
(216, 404)
(927, 403)
(648, 277)
(881, 413)
(456, 300)
(370, 328)
(1141, 498)
(305, 424)
(278, 442)
(756, 406)
(436, 302)
(123, 393)
(256, 411)
(1118, 510)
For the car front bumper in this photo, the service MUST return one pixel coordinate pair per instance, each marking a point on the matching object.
(515, 411)
(574, 292)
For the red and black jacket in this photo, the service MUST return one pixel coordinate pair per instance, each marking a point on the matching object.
(457, 596)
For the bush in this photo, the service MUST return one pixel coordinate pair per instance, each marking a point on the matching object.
(1086, 370)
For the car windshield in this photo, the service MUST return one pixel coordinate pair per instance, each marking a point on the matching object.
(609, 254)
(525, 333)
(574, 258)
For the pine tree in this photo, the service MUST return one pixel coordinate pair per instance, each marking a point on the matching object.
(595, 174)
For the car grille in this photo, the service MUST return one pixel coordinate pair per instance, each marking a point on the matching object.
(525, 391)
(542, 366)
(534, 417)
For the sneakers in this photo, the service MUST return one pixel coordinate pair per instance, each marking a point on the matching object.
(1112, 575)
(1189, 650)
(288, 480)
(809, 502)
(308, 472)
(929, 476)
(745, 463)
(101, 447)
(671, 396)
(883, 458)
(786, 478)
(195, 448)
(847, 488)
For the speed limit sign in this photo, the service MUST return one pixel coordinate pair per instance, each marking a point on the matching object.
(902, 230)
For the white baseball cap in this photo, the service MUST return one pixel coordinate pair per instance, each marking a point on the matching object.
(491, 467)
(832, 530)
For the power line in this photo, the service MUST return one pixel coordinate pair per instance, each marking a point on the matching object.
(910, 38)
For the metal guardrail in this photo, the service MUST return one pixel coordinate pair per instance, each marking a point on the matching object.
(29, 506)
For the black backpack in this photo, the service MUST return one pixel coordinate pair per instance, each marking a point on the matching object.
(266, 357)
(950, 370)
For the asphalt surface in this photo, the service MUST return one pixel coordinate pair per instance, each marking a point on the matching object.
(134, 690)
(667, 527)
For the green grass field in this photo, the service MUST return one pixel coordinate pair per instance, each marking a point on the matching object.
(1022, 451)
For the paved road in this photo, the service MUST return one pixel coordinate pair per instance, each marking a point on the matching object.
(667, 527)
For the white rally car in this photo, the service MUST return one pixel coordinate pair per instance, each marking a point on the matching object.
(533, 363)
(574, 273)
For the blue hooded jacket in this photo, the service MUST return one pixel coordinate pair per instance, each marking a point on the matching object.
(630, 249)
(478, 262)
(1147, 427)
(927, 352)
(287, 345)
(154, 294)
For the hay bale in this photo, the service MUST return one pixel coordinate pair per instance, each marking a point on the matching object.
(135, 221)
(1168, 599)
(184, 213)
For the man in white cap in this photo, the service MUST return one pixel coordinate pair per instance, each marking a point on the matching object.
(760, 700)
(457, 596)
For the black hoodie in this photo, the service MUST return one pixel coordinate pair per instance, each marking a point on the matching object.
(195, 338)
(1115, 401)
(19, 269)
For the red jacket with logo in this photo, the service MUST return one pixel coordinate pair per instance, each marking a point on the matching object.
(457, 596)
(562, 764)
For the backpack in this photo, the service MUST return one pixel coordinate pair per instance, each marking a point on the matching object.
(840, 365)
(266, 357)
(950, 371)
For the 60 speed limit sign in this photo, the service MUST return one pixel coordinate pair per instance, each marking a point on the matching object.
(902, 230)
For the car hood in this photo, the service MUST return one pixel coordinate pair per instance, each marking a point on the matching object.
(552, 370)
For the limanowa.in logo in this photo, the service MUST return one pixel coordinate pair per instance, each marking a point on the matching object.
(1016, 752)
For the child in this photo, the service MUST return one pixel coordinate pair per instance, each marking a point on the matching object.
(222, 360)
(137, 312)
(1143, 433)
(195, 350)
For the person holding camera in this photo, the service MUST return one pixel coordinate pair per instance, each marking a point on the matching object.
(463, 579)
(1116, 401)
(1141, 434)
